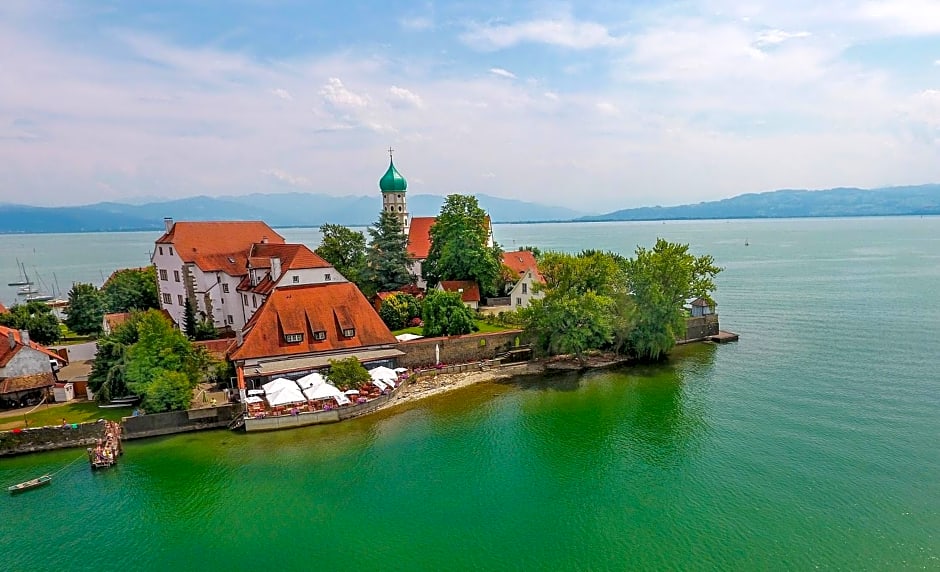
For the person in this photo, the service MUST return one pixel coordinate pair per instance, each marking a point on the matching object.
(214, 402)
(64, 424)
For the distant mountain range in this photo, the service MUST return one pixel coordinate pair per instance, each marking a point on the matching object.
(279, 209)
(310, 209)
(915, 200)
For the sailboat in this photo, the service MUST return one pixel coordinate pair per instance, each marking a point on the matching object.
(38, 295)
(24, 279)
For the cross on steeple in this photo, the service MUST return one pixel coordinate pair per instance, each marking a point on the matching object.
(390, 151)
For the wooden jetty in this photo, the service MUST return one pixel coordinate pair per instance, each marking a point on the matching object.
(723, 337)
(107, 450)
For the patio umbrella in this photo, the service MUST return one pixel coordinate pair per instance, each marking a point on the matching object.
(352, 392)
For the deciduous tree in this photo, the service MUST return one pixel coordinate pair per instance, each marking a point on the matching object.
(445, 314)
(398, 309)
(36, 318)
(161, 350)
(459, 248)
(348, 373)
(131, 289)
(345, 249)
(570, 323)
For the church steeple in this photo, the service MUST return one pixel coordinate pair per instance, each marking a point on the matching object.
(393, 187)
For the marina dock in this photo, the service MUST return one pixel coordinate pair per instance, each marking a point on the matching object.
(106, 452)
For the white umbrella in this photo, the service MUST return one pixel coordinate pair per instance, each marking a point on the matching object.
(310, 380)
(352, 392)
(253, 399)
(323, 391)
(401, 369)
(255, 392)
(383, 373)
(278, 384)
(285, 396)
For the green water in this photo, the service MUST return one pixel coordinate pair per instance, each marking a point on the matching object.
(814, 442)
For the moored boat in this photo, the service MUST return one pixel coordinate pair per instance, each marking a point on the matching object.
(30, 484)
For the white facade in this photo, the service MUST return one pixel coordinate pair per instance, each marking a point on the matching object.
(396, 202)
(522, 291)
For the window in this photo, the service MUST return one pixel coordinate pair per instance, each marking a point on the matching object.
(349, 332)
(293, 338)
(399, 209)
(225, 288)
(399, 196)
(171, 251)
(525, 288)
(245, 298)
(176, 275)
(254, 301)
(179, 298)
(319, 335)
(167, 299)
(162, 274)
(160, 248)
(296, 279)
(518, 301)
(327, 277)
(229, 320)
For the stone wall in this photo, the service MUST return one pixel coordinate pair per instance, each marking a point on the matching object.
(49, 438)
(155, 424)
(701, 327)
(458, 349)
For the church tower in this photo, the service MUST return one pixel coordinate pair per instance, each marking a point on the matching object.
(393, 187)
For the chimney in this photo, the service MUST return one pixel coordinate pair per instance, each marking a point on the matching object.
(264, 239)
(275, 268)
(168, 223)
(24, 337)
(239, 338)
(12, 339)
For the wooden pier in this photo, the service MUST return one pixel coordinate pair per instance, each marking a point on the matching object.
(106, 452)
(723, 337)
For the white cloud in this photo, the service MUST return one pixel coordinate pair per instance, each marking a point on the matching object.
(774, 37)
(335, 93)
(936, 62)
(607, 108)
(502, 73)
(908, 17)
(551, 95)
(286, 177)
(563, 32)
(402, 96)
(283, 94)
(416, 23)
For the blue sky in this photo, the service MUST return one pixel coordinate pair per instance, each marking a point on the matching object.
(595, 106)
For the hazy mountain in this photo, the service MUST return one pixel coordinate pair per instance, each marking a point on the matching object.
(915, 200)
(280, 209)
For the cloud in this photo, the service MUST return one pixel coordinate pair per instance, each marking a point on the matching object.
(774, 37)
(607, 108)
(404, 97)
(905, 17)
(502, 73)
(936, 62)
(283, 94)
(284, 177)
(335, 93)
(563, 32)
(551, 95)
(416, 23)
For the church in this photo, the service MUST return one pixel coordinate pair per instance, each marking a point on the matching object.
(394, 190)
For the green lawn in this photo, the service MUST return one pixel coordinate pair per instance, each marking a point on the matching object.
(484, 329)
(79, 412)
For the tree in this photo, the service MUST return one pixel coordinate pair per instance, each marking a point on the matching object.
(445, 314)
(459, 248)
(348, 373)
(205, 330)
(387, 259)
(570, 323)
(589, 271)
(398, 309)
(35, 317)
(661, 280)
(345, 249)
(86, 309)
(189, 319)
(131, 289)
(107, 378)
(151, 364)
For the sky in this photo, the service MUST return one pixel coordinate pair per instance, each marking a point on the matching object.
(591, 105)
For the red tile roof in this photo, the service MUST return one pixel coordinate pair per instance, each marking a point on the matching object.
(116, 319)
(521, 261)
(218, 245)
(419, 236)
(308, 308)
(26, 382)
(293, 256)
(216, 348)
(7, 353)
(470, 289)
(3, 309)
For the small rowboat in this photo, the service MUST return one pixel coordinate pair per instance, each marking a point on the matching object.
(31, 484)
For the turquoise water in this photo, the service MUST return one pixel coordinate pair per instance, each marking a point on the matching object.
(812, 442)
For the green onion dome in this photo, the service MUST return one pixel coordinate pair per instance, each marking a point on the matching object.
(392, 180)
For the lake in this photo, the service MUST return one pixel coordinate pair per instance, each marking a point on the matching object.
(810, 443)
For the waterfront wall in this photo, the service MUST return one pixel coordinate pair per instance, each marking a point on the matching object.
(458, 349)
(156, 424)
(50, 438)
(700, 328)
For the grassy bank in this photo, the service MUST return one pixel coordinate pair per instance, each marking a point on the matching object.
(52, 414)
(484, 328)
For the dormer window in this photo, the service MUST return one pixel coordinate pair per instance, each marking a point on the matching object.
(293, 338)
(319, 335)
(296, 279)
(327, 277)
(349, 332)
